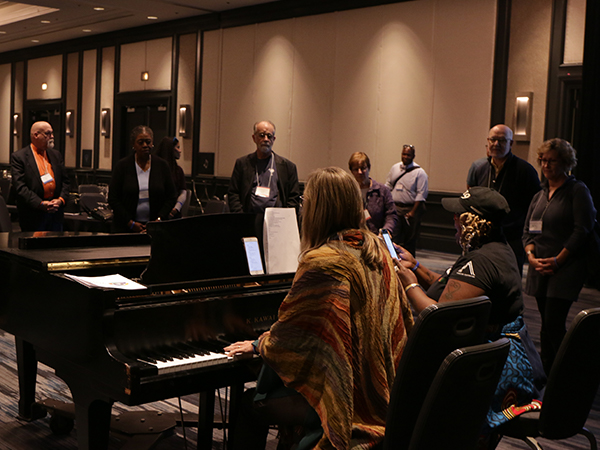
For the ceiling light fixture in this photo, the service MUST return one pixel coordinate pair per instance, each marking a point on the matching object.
(152, 17)
(35, 41)
(45, 21)
(98, 8)
(87, 31)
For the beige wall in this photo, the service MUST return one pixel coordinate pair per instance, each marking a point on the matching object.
(528, 68)
(107, 89)
(44, 70)
(72, 84)
(362, 80)
(185, 94)
(5, 113)
(18, 102)
(88, 100)
(152, 56)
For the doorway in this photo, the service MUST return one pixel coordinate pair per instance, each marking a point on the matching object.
(153, 111)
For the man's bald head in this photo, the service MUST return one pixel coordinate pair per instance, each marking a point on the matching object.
(42, 135)
(500, 139)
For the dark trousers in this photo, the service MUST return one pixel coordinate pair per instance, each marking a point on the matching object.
(283, 407)
(554, 313)
(406, 232)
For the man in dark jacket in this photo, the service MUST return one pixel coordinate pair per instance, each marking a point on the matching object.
(41, 182)
(513, 177)
(263, 179)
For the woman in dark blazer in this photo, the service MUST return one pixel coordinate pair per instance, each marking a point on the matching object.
(141, 189)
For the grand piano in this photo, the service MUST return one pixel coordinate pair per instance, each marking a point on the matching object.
(140, 346)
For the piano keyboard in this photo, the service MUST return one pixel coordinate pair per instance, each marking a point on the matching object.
(184, 357)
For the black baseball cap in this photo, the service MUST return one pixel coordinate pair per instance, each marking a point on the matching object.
(485, 202)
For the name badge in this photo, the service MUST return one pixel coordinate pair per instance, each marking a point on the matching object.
(399, 187)
(47, 178)
(367, 215)
(144, 194)
(262, 191)
(535, 226)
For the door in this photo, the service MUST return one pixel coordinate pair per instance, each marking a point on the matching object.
(152, 112)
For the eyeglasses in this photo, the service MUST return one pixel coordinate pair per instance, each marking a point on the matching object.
(500, 141)
(356, 169)
(412, 147)
(262, 135)
(46, 133)
(548, 162)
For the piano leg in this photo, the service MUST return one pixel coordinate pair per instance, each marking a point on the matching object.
(235, 395)
(92, 419)
(206, 417)
(27, 369)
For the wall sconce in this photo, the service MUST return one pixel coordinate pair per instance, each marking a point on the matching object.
(522, 117)
(16, 125)
(69, 120)
(185, 121)
(145, 76)
(105, 122)
(44, 86)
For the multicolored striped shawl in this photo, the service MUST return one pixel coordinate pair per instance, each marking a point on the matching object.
(339, 338)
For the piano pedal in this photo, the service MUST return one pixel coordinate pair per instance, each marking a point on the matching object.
(62, 415)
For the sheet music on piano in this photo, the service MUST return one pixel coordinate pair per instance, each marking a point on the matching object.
(281, 240)
(115, 281)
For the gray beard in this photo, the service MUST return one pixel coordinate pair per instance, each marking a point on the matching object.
(50, 144)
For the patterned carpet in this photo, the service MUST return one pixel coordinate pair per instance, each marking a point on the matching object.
(18, 435)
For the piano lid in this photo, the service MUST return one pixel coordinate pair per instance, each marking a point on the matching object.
(198, 248)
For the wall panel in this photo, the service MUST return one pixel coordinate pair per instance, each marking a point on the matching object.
(71, 102)
(362, 80)
(107, 91)
(44, 70)
(5, 113)
(88, 101)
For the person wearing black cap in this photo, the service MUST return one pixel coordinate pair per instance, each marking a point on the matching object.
(487, 267)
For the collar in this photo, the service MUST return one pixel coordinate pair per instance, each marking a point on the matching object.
(37, 150)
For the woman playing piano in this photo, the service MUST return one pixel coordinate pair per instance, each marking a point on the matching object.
(340, 334)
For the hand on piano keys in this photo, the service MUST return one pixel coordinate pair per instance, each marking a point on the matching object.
(240, 349)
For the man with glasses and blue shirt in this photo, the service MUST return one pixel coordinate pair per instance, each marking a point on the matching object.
(41, 182)
(514, 178)
(263, 179)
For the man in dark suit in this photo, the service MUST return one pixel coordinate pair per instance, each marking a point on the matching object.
(263, 179)
(41, 182)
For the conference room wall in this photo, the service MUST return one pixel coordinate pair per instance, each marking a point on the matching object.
(71, 105)
(5, 113)
(362, 80)
(107, 92)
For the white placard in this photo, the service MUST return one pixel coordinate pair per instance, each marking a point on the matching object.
(281, 240)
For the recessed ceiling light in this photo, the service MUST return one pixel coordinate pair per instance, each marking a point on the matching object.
(87, 31)
(45, 21)
(152, 17)
(2, 32)
(35, 40)
(98, 8)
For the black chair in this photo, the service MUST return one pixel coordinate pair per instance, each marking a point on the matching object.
(5, 220)
(572, 386)
(89, 189)
(438, 330)
(460, 396)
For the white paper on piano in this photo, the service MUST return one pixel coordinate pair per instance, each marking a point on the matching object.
(281, 240)
(108, 282)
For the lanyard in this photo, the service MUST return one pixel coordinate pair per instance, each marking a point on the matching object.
(270, 176)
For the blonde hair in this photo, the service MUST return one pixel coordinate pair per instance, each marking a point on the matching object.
(475, 231)
(565, 151)
(333, 204)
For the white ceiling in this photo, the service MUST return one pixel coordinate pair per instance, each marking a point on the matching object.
(75, 16)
